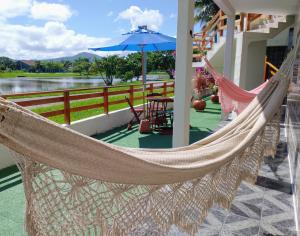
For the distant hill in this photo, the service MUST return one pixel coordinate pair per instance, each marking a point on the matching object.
(87, 55)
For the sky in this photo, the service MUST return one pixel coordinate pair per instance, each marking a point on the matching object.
(40, 29)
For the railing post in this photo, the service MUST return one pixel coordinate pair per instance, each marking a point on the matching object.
(151, 88)
(221, 24)
(131, 94)
(265, 69)
(242, 22)
(248, 21)
(211, 43)
(105, 100)
(67, 112)
(165, 89)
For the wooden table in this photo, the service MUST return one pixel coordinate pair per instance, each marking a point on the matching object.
(157, 111)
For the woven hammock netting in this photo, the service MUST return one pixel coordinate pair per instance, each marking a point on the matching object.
(232, 97)
(76, 185)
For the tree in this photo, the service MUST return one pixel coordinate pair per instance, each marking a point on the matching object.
(67, 65)
(205, 10)
(163, 61)
(82, 66)
(7, 64)
(128, 76)
(38, 67)
(107, 67)
(134, 61)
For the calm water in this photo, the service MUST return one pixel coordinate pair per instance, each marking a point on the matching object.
(25, 85)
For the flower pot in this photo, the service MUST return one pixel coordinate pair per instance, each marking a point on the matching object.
(214, 98)
(199, 105)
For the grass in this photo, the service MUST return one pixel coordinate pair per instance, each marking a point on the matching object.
(15, 74)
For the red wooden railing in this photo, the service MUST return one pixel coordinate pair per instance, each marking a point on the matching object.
(67, 96)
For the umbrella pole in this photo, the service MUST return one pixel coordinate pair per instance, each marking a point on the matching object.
(144, 82)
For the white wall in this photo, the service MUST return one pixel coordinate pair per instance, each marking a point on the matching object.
(102, 123)
(255, 64)
(89, 126)
(281, 39)
(249, 61)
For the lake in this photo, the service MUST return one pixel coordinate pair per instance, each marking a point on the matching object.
(26, 84)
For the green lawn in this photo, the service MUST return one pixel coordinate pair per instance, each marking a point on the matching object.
(15, 74)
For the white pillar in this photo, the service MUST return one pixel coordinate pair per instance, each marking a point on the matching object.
(184, 51)
(228, 55)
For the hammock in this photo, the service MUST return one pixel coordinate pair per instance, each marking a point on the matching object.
(232, 97)
(76, 185)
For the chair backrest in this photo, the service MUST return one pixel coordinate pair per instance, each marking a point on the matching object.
(132, 110)
(153, 94)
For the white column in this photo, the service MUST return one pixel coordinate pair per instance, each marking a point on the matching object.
(228, 55)
(185, 24)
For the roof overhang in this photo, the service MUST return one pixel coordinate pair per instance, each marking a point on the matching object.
(268, 7)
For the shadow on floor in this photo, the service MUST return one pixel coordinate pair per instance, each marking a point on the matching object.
(9, 177)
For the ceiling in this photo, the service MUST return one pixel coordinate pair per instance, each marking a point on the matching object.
(269, 7)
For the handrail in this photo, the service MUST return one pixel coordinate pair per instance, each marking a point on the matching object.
(269, 69)
(106, 98)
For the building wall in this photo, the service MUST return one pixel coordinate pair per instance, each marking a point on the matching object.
(249, 61)
(293, 136)
(255, 64)
(281, 39)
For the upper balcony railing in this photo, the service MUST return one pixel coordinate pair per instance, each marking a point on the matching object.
(216, 28)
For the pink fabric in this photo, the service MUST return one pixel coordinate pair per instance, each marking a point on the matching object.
(231, 96)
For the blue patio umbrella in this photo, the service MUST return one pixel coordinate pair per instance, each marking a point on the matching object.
(142, 40)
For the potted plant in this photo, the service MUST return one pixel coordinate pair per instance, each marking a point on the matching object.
(199, 84)
(214, 97)
(198, 103)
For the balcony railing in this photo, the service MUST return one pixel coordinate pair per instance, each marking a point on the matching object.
(216, 27)
(107, 96)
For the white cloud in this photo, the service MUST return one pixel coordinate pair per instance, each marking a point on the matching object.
(53, 39)
(50, 11)
(172, 15)
(13, 8)
(152, 18)
(110, 13)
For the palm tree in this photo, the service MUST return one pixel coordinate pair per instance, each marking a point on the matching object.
(205, 10)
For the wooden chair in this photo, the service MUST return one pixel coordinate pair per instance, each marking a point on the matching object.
(137, 112)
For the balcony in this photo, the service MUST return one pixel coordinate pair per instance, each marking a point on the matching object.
(262, 209)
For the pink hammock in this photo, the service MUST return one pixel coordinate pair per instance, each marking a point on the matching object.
(231, 96)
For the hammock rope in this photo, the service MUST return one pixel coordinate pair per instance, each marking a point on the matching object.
(232, 97)
(76, 185)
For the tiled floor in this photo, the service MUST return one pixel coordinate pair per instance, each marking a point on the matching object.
(264, 209)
